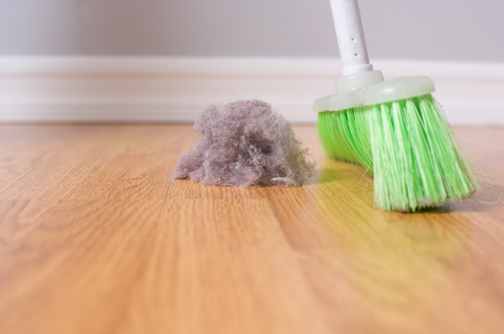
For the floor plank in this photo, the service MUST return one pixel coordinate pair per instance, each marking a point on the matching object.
(96, 238)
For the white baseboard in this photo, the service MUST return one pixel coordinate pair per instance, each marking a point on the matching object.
(94, 89)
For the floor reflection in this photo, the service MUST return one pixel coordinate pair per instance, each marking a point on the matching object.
(395, 260)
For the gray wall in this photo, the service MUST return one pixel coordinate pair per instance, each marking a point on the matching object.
(420, 29)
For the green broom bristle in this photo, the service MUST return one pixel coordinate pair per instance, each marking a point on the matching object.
(407, 145)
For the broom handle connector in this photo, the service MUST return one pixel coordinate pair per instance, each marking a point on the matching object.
(351, 42)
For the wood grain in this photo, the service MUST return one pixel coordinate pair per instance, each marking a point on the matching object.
(96, 238)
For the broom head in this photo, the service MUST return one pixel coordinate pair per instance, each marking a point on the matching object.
(398, 132)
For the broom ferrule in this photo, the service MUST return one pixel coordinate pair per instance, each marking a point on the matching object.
(366, 89)
(349, 83)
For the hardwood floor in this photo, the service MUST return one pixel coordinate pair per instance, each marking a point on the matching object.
(96, 238)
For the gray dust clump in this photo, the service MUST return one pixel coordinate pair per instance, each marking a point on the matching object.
(245, 143)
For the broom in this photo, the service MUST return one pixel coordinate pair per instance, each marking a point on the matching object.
(394, 128)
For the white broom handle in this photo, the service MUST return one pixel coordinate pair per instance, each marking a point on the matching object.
(351, 43)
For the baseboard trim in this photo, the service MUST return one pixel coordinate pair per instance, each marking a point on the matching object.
(174, 89)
